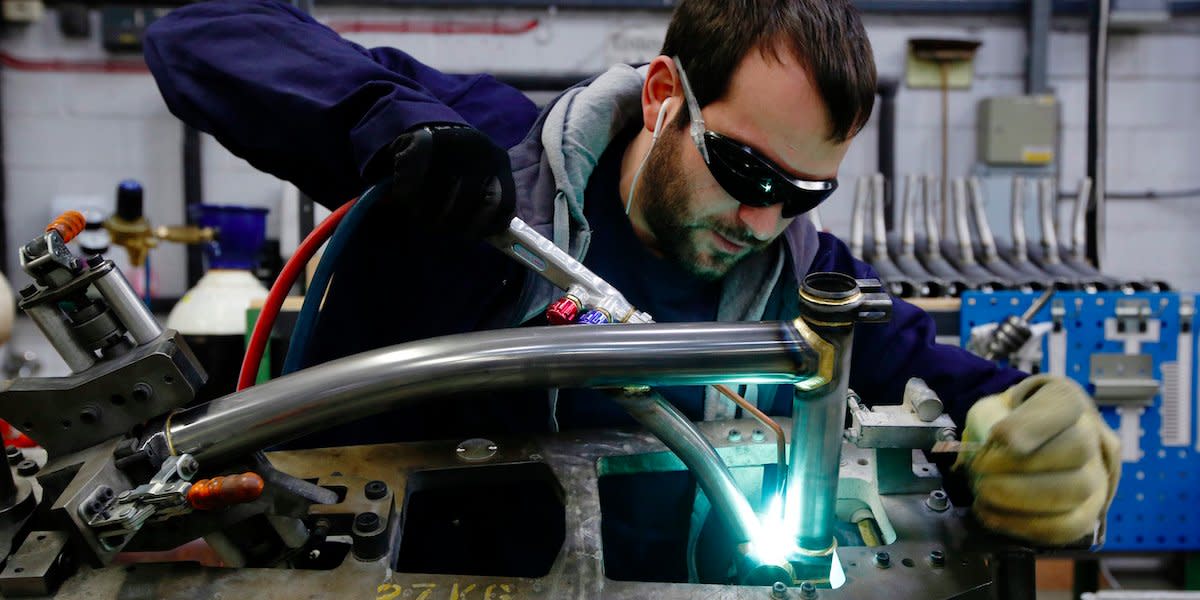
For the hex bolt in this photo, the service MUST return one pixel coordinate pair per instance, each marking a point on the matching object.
(15, 455)
(779, 591)
(758, 435)
(125, 449)
(883, 560)
(142, 392)
(946, 434)
(734, 435)
(375, 490)
(314, 554)
(89, 415)
(187, 466)
(937, 501)
(937, 558)
(27, 468)
(808, 591)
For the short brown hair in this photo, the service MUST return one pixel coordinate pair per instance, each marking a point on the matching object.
(711, 37)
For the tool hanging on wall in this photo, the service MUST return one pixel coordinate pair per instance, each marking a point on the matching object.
(953, 62)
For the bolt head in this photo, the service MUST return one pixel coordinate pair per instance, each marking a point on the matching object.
(27, 468)
(735, 435)
(937, 558)
(779, 591)
(883, 560)
(89, 415)
(375, 490)
(142, 392)
(366, 522)
(937, 501)
(808, 591)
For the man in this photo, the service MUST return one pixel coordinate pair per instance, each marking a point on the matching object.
(683, 183)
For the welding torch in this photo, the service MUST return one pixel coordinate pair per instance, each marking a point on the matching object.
(591, 300)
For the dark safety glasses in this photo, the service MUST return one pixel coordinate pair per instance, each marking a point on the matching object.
(751, 178)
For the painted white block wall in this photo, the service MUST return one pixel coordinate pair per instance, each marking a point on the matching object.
(80, 133)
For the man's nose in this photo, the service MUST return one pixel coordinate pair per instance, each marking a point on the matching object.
(762, 221)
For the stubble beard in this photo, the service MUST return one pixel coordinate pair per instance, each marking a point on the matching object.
(678, 233)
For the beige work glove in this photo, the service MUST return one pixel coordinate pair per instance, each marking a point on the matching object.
(1042, 463)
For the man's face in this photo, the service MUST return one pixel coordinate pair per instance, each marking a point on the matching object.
(771, 106)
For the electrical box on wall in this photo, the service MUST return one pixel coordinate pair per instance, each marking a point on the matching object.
(21, 11)
(1018, 130)
(123, 28)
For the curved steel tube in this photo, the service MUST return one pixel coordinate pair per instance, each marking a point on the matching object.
(675, 430)
(932, 257)
(584, 356)
(906, 259)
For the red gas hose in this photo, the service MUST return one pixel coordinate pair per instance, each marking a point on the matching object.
(279, 291)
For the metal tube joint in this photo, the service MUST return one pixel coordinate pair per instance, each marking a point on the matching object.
(830, 305)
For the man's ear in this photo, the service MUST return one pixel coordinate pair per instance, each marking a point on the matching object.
(662, 82)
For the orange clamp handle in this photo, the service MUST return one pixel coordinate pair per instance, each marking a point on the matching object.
(225, 491)
(68, 225)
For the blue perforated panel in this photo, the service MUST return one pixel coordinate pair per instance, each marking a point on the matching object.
(1154, 506)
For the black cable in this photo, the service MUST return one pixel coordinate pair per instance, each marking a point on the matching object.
(1154, 194)
(1146, 195)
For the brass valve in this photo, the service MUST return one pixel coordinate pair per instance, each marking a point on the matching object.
(138, 236)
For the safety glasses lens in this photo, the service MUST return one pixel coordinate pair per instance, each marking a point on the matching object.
(754, 182)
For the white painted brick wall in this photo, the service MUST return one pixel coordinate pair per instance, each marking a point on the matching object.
(73, 133)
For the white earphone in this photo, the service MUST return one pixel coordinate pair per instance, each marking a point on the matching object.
(662, 114)
(658, 124)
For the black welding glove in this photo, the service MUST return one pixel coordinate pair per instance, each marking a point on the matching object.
(452, 179)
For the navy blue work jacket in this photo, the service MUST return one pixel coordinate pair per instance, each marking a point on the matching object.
(298, 101)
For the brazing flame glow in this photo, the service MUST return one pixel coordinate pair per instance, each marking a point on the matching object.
(775, 542)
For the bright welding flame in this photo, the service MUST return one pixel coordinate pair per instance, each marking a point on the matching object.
(775, 541)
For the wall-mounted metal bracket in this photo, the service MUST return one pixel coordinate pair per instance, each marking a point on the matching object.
(1123, 380)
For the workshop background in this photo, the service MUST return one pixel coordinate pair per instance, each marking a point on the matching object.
(79, 113)
(78, 118)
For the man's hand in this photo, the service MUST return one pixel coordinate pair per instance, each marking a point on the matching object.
(1047, 466)
(453, 179)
